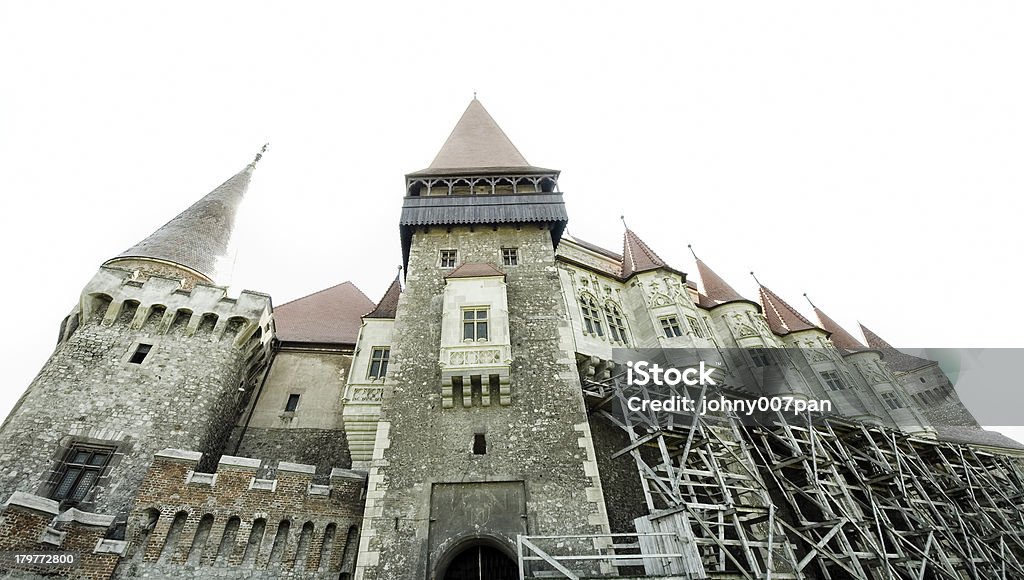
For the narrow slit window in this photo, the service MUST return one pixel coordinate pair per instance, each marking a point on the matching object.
(479, 444)
(140, 353)
(293, 402)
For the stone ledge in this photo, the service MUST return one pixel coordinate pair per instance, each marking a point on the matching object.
(348, 474)
(179, 454)
(233, 461)
(296, 467)
(104, 546)
(34, 502)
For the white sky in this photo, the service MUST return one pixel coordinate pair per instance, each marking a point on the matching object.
(867, 153)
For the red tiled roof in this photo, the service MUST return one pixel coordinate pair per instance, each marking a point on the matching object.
(898, 360)
(715, 288)
(638, 256)
(332, 316)
(388, 305)
(474, 270)
(843, 340)
(782, 318)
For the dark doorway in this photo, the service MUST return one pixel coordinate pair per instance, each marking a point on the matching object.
(481, 563)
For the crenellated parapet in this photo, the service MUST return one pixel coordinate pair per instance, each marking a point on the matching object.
(245, 518)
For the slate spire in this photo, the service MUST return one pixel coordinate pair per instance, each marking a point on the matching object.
(637, 256)
(782, 318)
(197, 238)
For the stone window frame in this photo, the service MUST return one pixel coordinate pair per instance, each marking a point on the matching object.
(832, 379)
(153, 343)
(382, 361)
(476, 323)
(891, 400)
(510, 256)
(447, 258)
(60, 456)
(617, 329)
(591, 315)
(696, 327)
(670, 326)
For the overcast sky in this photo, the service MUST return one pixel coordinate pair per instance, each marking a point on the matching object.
(866, 153)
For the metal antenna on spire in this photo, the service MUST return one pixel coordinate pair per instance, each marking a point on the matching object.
(692, 252)
(809, 301)
(474, 95)
(623, 218)
(756, 280)
(260, 154)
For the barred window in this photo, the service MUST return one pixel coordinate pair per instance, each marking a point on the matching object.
(82, 466)
(379, 358)
(474, 324)
(670, 325)
(832, 380)
(616, 324)
(591, 315)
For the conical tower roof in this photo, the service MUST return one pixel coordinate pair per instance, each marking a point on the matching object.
(782, 318)
(388, 305)
(843, 340)
(478, 145)
(198, 237)
(898, 360)
(715, 288)
(637, 256)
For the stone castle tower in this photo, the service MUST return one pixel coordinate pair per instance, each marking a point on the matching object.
(472, 423)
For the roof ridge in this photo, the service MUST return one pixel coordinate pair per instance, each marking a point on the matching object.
(321, 291)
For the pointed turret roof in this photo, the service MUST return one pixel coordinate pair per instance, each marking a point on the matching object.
(843, 340)
(198, 236)
(331, 316)
(478, 145)
(782, 318)
(388, 305)
(716, 289)
(898, 360)
(637, 256)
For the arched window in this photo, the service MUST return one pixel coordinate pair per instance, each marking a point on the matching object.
(616, 323)
(591, 315)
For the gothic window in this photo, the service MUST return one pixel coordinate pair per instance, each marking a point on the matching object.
(832, 380)
(670, 326)
(379, 358)
(448, 258)
(760, 357)
(474, 324)
(510, 256)
(696, 327)
(891, 400)
(82, 466)
(616, 324)
(591, 315)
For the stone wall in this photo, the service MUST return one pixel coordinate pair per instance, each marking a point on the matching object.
(234, 524)
(187, 392)
(541, 439)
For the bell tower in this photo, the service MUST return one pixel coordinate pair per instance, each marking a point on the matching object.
(483, 433)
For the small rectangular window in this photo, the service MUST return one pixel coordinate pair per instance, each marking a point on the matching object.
(695, 326)
(140, 353)
(449, 258)
(379, 358)
(479, 444)
(293, 402)
(891, 400)
(670, 325)
(510, 256)
(80, 470)
(832, 380)
(760, 357)
(474, 324)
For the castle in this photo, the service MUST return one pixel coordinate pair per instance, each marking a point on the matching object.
(470, 424)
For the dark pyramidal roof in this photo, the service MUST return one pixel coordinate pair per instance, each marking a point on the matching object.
(716, 289)
(637, 256)
(478, 145)
(843, 340)
(782, 318)
(898, 360)
(198, 236)
(388, 305)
